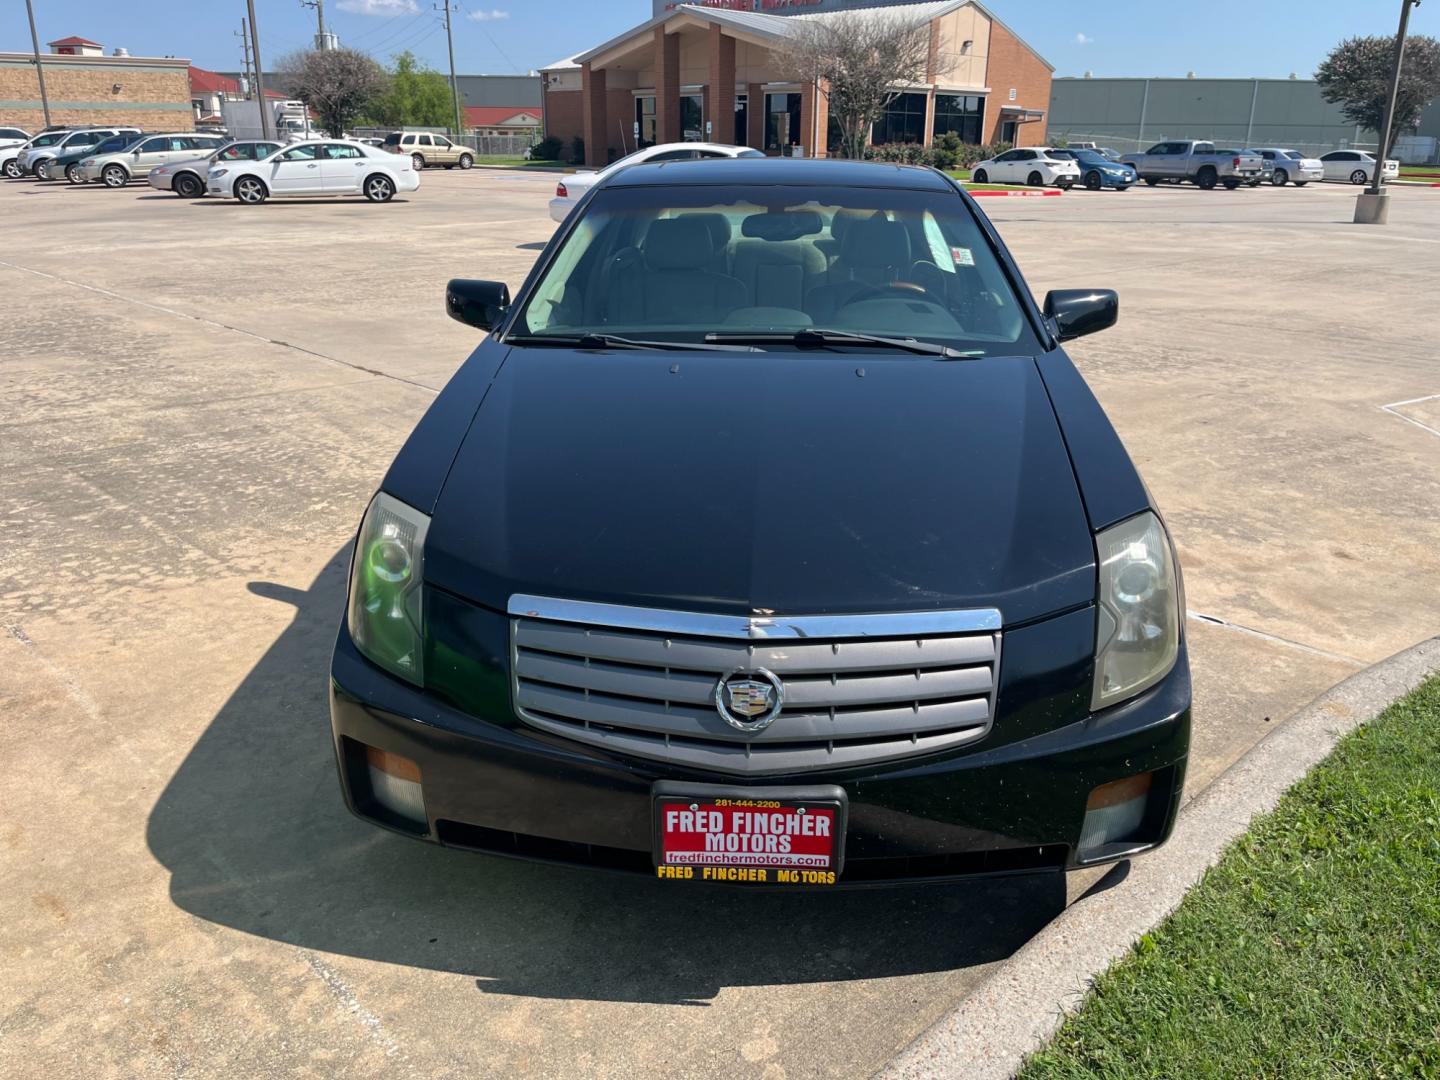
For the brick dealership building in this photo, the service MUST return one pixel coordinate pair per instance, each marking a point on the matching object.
(715, 71)
(87, 87)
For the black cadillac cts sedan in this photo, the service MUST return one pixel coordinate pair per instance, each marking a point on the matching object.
(769, 537)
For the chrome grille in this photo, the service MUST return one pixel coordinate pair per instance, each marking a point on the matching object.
(858, 689)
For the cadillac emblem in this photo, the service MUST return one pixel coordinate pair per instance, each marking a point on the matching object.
(749, 700)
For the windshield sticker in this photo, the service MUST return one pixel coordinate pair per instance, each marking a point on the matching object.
(962, 256)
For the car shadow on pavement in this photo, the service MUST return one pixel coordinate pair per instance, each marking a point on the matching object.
(254, 834)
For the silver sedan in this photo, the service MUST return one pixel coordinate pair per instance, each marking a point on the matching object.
(1290, 166)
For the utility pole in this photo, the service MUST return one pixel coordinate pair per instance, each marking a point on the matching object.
(454, 86)
(40, 68)
(244, 37)
(259, 73)
(322, 39)
(1372, 207)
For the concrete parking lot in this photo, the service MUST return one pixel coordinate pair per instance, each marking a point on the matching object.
(200, 397)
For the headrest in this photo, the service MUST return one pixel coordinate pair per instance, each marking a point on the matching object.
(843, 219)
(876, 242)
(682, 243)
(719, 226)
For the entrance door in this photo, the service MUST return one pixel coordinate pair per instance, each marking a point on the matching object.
(742, 119)
(782, 123)
(1008, 130)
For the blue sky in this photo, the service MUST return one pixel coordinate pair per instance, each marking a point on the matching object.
(1111, 37)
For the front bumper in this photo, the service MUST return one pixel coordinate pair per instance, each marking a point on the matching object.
(160, 182)
(998, 807)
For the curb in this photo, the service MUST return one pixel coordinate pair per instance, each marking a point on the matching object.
(1017, 1008)
(1011, 194)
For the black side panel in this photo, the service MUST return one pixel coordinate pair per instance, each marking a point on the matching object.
(1109, 485)
(419, 470)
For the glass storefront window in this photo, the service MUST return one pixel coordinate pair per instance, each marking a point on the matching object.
(903, 122)
(692, 118)
(782, 122)
(645, 119)
(963, 114)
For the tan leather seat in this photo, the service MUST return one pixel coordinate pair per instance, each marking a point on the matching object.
(778, 275)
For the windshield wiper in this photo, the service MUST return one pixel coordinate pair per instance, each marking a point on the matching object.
(614, 341)
(817, 337)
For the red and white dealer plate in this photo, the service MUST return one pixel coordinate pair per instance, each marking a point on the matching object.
(712, 834)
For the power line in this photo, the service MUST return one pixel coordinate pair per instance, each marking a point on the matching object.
(491, 37)
(392, 40)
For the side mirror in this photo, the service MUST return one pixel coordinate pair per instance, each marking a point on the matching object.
(480, 304)
(1077, 312)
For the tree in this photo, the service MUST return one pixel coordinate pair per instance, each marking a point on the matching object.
(339, 85)
(417, 96)
(860, 61)
(1356, 76)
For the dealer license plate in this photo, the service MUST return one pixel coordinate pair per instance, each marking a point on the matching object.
(749, 836)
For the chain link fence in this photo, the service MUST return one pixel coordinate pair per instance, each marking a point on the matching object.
(483, 145)
(1134, 146)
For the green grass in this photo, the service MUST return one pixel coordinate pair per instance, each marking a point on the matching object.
(1312, 949)
(1419, 170)
(520, 162)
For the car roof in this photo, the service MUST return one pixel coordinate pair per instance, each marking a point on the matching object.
(791, 171)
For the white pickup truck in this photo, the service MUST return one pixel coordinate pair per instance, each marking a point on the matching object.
(1198, 162)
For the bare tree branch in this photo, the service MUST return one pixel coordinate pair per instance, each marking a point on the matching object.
(861, 61)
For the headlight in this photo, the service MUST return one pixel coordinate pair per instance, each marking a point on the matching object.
(1137, 634)
(386, 618)
(215, 174)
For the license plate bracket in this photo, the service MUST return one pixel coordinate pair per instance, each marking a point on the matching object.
(726, 834)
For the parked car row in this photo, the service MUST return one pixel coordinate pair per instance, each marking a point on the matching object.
(192, 165)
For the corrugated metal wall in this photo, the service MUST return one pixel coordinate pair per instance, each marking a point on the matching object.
(1255, 112)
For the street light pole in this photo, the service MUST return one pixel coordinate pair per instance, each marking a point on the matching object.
(39, 67)
(1383, 149)
(1372, 206)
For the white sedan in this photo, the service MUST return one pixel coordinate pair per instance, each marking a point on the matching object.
(1031, 165)
(326, 167)
(570, 190)
(1355, 166)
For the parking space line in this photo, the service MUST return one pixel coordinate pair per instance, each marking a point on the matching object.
(217, 325)
(1225, 624)
(1394, 410)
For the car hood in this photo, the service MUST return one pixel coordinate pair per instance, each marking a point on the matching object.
(816, 482)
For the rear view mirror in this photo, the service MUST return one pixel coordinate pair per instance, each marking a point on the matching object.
(480, 304)
(1077, 312)
(781, 225)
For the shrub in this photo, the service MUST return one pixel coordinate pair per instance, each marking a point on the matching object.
(949, 152)
(547, 149)
(577, 151)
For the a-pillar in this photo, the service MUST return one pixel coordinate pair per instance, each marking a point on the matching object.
(592, 103)
(720, 108)
(814, 120)
(667, 86)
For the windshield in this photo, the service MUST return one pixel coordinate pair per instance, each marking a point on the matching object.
(393, 139)
(111, 146)
(1092, 156)
(673, 264)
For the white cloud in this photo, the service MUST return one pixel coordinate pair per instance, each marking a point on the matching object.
(493, 15)
(1083, 39)
(379, 7)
